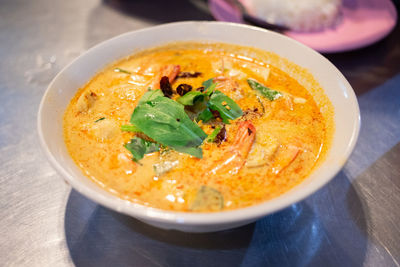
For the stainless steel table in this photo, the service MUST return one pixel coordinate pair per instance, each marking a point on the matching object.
(353, 221)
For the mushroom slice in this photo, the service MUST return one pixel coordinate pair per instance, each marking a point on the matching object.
(164, 166)
(167, 161)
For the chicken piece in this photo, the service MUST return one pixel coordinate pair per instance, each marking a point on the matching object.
(86, 101)
(104, 129)
(262, 150)
(260, 71)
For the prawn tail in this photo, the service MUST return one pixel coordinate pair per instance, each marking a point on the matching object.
(170, 71)
(244, 138)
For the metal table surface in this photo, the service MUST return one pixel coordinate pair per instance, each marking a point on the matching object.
(352, 221)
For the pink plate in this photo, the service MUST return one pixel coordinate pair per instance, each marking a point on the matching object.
(363, 22)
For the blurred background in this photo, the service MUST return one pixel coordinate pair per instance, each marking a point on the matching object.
(353, 221)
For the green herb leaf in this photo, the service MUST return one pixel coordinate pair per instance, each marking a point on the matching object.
(227, 108)
(190, 98)
(194, 151)
(139, 147)
(214, 134)
(122, 70)
(150, 95)
(102, 118)
(130, 128)
(265, 91)
(165, 121)
(208, 83)
(261, 104)
(209, 86)
(205, 115)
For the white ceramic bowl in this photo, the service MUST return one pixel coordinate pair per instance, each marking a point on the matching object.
(76, 74)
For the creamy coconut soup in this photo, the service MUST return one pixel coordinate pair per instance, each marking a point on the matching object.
(199, 127)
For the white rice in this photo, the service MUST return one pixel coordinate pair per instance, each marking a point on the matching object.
(298, 15)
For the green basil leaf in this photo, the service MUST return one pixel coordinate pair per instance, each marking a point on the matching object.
(190, 98)
(208, 83)
(265, 91)
(150, 95)
(209, 86)
(227, 108)
(102, 118)
(130, 128)
(122, 70)
(139, 147)
(214, 134)
(194, 151)
(165, 121)
(205, 115)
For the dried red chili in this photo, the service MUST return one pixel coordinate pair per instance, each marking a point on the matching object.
(221, 136)
(189, 74)
(183, 88)
(166, 87)
(201, 89)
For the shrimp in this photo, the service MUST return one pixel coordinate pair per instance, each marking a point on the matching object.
(171, 71)
(229, 86)
(285, 155)
(235, 156)
(225, 83)
(268, 150)
(104, 130)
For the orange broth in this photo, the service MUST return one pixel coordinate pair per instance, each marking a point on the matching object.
(293, 133)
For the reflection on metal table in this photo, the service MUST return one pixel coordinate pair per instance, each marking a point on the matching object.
(352, 221)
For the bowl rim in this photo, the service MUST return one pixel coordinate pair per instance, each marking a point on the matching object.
(189, 218)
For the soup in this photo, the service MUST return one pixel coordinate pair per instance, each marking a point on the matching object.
(199, 127)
